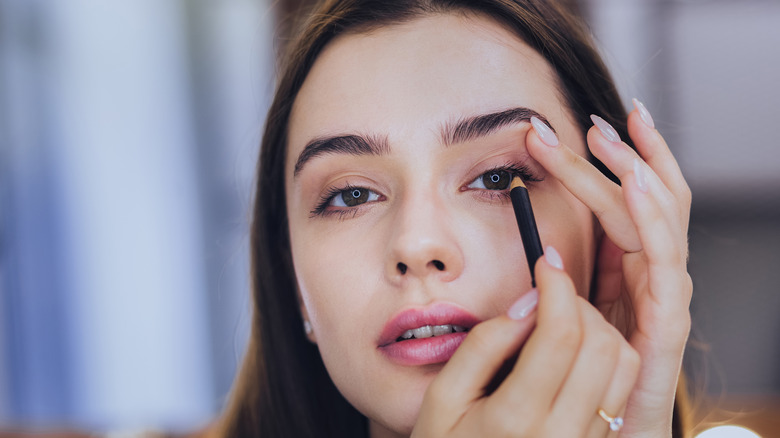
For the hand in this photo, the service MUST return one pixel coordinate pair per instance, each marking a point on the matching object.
(573, 363)
(643, 287)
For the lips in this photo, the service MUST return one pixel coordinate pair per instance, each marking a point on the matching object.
(426, 350)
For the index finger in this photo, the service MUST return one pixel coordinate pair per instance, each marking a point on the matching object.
(590, 186)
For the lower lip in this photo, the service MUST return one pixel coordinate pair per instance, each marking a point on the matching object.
(426, 351)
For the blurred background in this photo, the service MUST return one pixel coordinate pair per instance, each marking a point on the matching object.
(128, 136)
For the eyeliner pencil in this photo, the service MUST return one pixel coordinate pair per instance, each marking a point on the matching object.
(527, 224)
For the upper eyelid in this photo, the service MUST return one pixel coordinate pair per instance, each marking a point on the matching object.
(529, 173)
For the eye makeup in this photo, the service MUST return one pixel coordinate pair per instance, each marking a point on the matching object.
(348, 200)
(351, 198)
(499, 178)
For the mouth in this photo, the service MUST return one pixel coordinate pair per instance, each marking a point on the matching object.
(428, 331)
(425, 336)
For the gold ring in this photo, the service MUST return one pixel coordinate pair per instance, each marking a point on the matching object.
(615, 423)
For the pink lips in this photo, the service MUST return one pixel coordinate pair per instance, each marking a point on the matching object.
(424, 351)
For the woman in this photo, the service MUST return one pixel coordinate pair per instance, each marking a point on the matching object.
(382, 217)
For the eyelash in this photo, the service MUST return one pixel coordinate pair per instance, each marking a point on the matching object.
(322, 206)
(514, 169)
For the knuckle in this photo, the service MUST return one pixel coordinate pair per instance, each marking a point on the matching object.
(688, 283)
(604, 342)
(572, 159)
(678, 258)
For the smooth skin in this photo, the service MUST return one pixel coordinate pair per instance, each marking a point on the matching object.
(644, 292)
(404, 82)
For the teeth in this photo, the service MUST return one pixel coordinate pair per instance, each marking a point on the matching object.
(432, 330)
(423, 332)
(439, 330)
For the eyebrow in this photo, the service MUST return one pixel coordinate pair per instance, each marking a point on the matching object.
(343, 144)
(473, 127)
(460, 131)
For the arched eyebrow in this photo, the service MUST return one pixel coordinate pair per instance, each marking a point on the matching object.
(352, 144)
(460, 131)
(470, 128)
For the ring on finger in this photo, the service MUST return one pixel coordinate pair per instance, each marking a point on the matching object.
(615, 423)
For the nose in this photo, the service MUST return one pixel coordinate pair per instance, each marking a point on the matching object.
(424, 242)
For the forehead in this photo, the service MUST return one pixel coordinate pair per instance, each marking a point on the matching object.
(405, 80)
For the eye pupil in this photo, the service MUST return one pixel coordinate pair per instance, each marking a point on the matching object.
(496, 180)
(353, 197)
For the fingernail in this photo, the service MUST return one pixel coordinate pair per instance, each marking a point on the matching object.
(644, 114)
(524, 305)
(545, 133)
(553, 258)
(606, 129)
(641, 175)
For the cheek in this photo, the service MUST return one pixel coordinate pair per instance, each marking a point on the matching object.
(341, 277)
(336, 273)
(496, 271)
(568, 225)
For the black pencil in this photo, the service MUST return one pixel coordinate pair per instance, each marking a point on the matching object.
(527, 224)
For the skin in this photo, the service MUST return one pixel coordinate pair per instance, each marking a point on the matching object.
(403, 83)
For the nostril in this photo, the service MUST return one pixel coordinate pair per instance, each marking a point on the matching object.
(402, 268)
(439, 265)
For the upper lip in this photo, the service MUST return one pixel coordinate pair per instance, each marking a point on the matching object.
(434, 314)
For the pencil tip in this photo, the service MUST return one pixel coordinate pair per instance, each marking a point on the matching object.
(516, 182)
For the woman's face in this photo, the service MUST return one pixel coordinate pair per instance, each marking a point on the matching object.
(402, 142)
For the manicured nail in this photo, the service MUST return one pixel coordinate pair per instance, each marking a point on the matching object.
(552, 257)
(606, 129)
(641, 175)
(524, 305)
(644, 114)
(545, 133)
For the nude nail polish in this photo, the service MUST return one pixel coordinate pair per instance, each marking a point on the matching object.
(606, 129)
(545, 133)
(553, 258)
(644, 114)
(524, 305)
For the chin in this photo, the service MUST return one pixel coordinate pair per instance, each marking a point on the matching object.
(401, 423)
(398, 409)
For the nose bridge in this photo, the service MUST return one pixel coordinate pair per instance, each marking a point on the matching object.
(423, 241)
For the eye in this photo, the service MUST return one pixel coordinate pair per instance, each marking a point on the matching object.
(497, 179)
(353, 196)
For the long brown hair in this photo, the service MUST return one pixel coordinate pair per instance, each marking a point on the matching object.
(283, 388)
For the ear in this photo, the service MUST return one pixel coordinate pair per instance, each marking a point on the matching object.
(306, 325)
